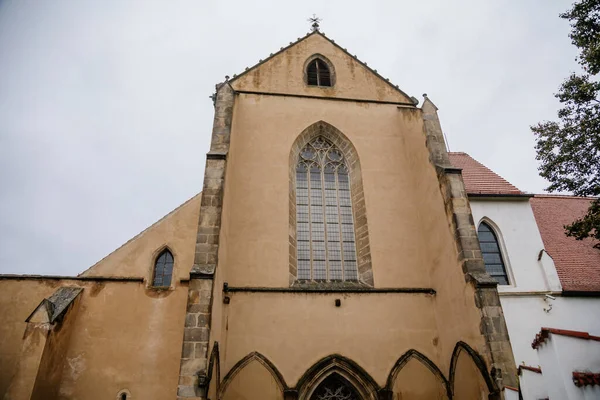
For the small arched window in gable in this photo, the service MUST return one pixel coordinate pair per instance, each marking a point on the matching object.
(492, 255)
(163, 269)
(318, 73)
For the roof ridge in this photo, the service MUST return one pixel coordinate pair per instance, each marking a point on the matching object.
(317, 32)
(564, 196)
(483, 178)
(141, 233)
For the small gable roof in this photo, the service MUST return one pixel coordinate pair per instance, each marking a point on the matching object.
(56, 305)
(237, 78)
(577, 262)
(479, 179)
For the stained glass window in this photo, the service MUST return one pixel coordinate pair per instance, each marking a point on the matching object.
(492, 256)
(324, 218)
(163, 269)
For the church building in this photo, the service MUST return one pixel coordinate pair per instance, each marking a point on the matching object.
(331, 255)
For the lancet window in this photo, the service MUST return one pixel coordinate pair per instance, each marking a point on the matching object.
(492, 256)
(326, 247)
(163, 269)
(317, 73)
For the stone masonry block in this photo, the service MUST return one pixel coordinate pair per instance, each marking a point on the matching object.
(195, 334)
(188, 380)
(201, 350)
(198, 308)
(186, 391)
(188, 351)
(200, 284)
(203, 320)
(190, 320)
(192, 366)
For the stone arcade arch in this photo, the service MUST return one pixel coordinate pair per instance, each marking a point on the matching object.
(255, 377)
(415, 376)
(336, 369)
(469, 377)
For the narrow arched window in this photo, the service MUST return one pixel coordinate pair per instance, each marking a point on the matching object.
(492, 256)
(163, 269)
(324, 218)
(317, 73)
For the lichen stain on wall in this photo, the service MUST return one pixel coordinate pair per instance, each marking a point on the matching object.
(96, 288)
(74, 367)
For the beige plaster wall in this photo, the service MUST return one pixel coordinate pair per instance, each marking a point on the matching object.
(284, 73)
(388, 142)
(409, 235)
(416, 382)
(294, 331)
(468, 382)
(253, 382)
(124, 337)
(177, 230)
(18, 299)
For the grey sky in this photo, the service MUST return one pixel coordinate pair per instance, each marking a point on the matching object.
(105, 117)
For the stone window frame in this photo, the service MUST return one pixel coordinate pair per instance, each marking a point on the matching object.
(125, 392)
(153, 260)
(503, 250)
(361, 231)
(332, 74)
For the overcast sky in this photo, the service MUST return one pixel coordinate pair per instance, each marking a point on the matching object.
(105, 118)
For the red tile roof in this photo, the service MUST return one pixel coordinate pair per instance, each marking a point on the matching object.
(537, 370)
(541, 337)
(586, 379)
(577, 261)
(479, 179)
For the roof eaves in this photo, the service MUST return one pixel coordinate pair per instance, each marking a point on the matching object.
(514, 196)
(364, 64)
(373, 71)
(261, 62)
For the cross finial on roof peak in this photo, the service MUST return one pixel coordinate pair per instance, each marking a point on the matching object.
(315, 22)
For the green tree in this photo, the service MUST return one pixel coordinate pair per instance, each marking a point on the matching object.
(569, 149)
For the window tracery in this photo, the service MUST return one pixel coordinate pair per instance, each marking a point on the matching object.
(335, 387)
(326, 247)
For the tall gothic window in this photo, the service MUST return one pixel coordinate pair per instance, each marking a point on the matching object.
(334, 387)
(163, 269)
(317, 73)
(492, 256)
(324, 218)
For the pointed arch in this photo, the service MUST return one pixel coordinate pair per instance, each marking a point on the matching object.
(254, 356)
(423, 359)
(479, 363)
(163, 267)
(346, 368)
(361, 235)
(325, 77)
(494, 251)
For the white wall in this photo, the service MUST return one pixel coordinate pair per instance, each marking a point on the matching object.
(560, 356)
(523, 301)
(532, 385)
(525, 317)
(520, 242)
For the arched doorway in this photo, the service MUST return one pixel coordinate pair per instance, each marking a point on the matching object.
(335, 387)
